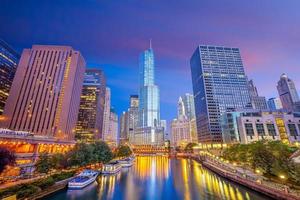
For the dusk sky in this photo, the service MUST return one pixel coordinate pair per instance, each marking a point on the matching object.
(111, 34)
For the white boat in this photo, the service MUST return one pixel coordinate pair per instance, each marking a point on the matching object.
(111, 167)
(127, 162)
(83, 179)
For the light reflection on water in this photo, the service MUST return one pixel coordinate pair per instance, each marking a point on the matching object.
(158, 177)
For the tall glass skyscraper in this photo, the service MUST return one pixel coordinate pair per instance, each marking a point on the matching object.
(149, 108)
(9, 59)
(149, 131)
(219, 85)
(90, 117)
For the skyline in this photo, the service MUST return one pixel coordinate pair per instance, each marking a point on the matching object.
(116, 47)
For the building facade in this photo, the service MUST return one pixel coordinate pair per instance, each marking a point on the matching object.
(45, 94)
(124, 129)
(258, 102)
(113, 138)
(288, 93)
(90, 117)
(9, 59)
(133, 116)
(189, 106)
(149, 103)
(219, 85)
(247, 127)
(180, 131)
(274, 104)
(106, 114)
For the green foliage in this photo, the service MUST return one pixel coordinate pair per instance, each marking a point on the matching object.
(102, 152)
(189, 147)
(58, 161)
(123, 151)
(44, 163)
(44, 183)
(7, 158)
(27, 191)
(271, 157)
(62, 176)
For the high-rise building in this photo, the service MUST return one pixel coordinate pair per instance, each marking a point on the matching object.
(181, 132)
(133, 116)
(189, 106)
(45, 94)
(258, 102)
(149, 107)
(163, 124)
(274, 104)
(90, 117)
(106, 114)
(9, 59)
(113, 138)
(288, 93)
(149, 131)
(124, 129)
(181, 109)
(219, 85)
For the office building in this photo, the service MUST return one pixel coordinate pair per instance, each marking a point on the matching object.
(133, 116)
(113, 138)
(106, 114)
(247, 127)
(189, 106)
(219, 85)
(274, 104)
(288, 93)
(45, 94)
(124, 129)
(258, 102)
(163, 124)
(9, 59)
(149, 105)
(180, 131)
(90, 117)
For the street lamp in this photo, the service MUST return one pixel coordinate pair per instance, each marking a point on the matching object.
(281, 176)
(257, 171)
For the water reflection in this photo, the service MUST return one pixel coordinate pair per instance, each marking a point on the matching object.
(158, 177)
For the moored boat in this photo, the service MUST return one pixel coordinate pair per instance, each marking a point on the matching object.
(127, 162)
(83, 179)
(111, 167)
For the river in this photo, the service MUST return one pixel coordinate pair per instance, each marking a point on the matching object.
(159, 177)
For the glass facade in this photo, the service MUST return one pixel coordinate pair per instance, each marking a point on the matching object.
(219, 85)
(90, 116)
(8, 64)
(149, 108)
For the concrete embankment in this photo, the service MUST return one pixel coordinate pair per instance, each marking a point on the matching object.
(253, 185)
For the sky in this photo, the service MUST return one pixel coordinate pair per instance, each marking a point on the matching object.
(111, 34)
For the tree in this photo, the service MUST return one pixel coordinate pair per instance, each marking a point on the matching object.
(59, 161)
(43, 165)
(7, 157)
(102, 152)
(189, 147)
(123, 151)
(82, 154)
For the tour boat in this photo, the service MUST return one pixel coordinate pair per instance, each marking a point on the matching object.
(127, 162)
(83, 179)
(111, 168)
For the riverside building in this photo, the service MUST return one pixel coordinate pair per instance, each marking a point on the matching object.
(219, 85)
(90, 117)
(9, 59)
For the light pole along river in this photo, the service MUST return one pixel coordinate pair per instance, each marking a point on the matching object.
(159, 177)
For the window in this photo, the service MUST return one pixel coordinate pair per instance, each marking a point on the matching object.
(249, 129)
(260, 129)
(293, 130)
(271, 130)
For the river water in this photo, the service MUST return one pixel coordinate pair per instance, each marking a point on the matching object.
(159, 177)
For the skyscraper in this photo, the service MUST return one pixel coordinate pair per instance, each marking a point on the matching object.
(113, 137)
(124, 129)
(288, 93)
(274, 104)
(149, 107)
(258, 102)
(90, 116)
(219, 85)
(8, 64)
(189, 106)
(149, 131)
(133, 116)
(106, 115)
(45, 94)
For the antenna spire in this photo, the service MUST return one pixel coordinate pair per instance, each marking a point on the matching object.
(150, 42)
